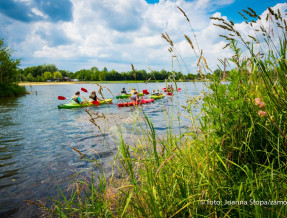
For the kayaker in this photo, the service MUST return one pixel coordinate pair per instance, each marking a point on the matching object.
(94, 97)
(135, 97)
(133, 90)
(155, 93)
(171, 88)
(76, 98)
(124, 91)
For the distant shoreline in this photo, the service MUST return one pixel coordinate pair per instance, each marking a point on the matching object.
(90, 82)
(44, 83)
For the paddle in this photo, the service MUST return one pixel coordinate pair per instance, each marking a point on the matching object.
(84, 90)
(61, 98)
(94, 102)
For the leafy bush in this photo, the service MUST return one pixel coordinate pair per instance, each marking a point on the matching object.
(11, 90)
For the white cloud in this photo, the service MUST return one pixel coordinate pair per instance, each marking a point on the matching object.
(39, 13)
(117, 33)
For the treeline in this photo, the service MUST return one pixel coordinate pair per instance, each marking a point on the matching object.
(43, 73)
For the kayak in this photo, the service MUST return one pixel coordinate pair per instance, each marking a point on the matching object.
(128, 95)
(128, 104)
(87, 104)
(168, 90)
(123, 96)
(155, 97)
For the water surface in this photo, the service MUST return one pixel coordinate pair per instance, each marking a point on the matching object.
(37, 138)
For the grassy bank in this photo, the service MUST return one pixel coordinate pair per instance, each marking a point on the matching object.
(231, 163)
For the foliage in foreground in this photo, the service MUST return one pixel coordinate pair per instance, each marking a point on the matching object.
(11, 90)
(9, 73)
(235, 166)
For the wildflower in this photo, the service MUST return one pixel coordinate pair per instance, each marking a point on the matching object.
(262, 113)
(262, 105)
(257, 101)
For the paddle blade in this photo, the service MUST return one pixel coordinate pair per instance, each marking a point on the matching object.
(178, 89)
(61, 98)
(84, 90)
(145, 91)
(96, 102)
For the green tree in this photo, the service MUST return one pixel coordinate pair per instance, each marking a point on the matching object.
(58, 75)
(30, 77)
(102, 76)
(8, 66)
(9, 73)
(48, 75)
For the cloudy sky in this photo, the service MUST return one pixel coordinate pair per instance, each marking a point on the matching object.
(80, 34)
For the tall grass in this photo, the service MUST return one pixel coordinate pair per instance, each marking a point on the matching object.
(232, 164)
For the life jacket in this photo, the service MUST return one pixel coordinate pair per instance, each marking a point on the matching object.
(134, 97)
(94, 97)
(75, 99)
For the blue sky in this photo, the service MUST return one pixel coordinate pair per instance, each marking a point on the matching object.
(76, 35)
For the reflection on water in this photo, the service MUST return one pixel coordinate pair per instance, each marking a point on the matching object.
(37, 139)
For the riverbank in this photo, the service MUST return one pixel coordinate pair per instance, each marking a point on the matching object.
(44, 83)
(84, 82)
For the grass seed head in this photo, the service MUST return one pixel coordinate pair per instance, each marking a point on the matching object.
(183, 13)
(189, 41)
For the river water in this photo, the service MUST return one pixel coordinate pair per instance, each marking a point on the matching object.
(37, 138)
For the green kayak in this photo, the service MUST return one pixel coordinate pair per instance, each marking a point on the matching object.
(123, 96)
(128, 95)
(156, 96)
(88, 104)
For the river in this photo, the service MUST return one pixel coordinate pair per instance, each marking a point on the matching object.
(37, 138)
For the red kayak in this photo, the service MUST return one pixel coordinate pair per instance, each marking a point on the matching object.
(128, 104)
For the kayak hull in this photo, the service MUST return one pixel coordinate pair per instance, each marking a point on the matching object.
(130, 104)
(155, 97)
(89, 104)
(123, 96)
